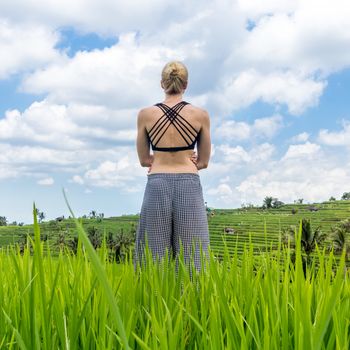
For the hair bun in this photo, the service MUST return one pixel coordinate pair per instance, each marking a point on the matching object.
(174, 73)
(174, 77)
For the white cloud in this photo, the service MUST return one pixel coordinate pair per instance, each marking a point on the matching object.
(34, 156)
(33, 161)
(262, 153)
(265, 64)
(234, 155)
(222, 192)
(48, 181)
(41, 123)
(267, 127)
(238, 131)
(80, 140)
(302, 137)
(256, 8)
(125, 75)
(336, 138)
(277, 61)
(307, 36)
(71, 127)
(315, 181)
(238, 156)
(104, 17)
(222, 189)
(233, 130)
(306, 150)
(77, 179)
(276, 87)
(225, 179)
(85, 125)
(305, 171)
(115, 174)
(7, 172)
(25, 47)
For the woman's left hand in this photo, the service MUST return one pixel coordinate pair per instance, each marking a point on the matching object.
(194, 158)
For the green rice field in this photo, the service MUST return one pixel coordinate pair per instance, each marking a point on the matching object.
(239, 300)
(261, 227)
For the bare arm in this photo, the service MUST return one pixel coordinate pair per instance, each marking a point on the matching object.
(142, 143)
(204, 144)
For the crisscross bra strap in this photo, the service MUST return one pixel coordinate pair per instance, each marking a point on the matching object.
(171, 116)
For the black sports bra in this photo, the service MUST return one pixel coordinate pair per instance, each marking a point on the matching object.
(171, 115)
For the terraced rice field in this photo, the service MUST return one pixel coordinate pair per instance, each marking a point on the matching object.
(261, 227)
(10, 235)
(242, 301)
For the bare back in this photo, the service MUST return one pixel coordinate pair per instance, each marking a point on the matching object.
(179, 161)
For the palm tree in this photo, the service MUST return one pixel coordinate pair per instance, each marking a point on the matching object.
(309, 240)
(3, 221)
(40, 215)
(268, 202)
(94, 237)
(341, 236)
(23, 243)
(288, 234)
(341, 240)
(309, 237)
(100, 217)
(120, 243)
(345, 196)
(73, 245)
(93, 214)
(61, 240)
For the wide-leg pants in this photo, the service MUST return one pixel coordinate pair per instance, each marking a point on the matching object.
(173, 211)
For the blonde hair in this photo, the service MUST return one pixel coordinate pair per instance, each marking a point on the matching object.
(174, 77)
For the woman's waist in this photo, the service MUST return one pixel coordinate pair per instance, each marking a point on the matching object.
(174, 168)
(174, 176)
(180, 157)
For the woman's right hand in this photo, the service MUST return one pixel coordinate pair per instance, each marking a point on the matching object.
(151, 163)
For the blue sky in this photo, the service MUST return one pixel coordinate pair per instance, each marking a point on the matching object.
(274, 77)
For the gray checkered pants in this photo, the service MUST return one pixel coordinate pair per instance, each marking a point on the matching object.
(173, 211)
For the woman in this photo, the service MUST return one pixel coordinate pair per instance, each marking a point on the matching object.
(173, 210)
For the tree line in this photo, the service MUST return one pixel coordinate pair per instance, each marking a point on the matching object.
(41, 216)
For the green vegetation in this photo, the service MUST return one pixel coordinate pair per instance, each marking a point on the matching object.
(241, 301)
(3, 221)
(346, 196)
(234, 226)
(270, 202)
(62, 232)
(266, 226)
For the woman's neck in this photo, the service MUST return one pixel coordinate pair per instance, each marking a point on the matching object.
(173, 98)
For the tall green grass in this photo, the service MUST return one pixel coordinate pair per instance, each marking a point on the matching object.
(243, 301)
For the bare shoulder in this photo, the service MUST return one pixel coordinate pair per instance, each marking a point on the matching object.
(201, 113)
(145, 113)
